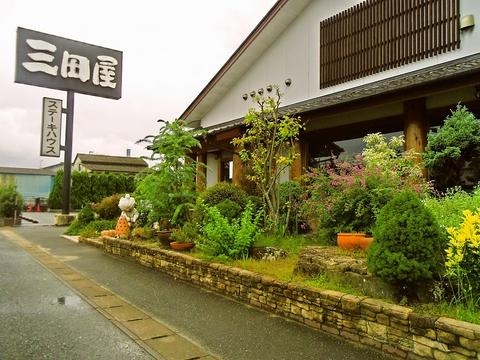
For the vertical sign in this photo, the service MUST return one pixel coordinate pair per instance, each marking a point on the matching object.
(51, 127)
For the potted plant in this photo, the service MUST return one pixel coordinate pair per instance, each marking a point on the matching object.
(184, 238)
(11, 203)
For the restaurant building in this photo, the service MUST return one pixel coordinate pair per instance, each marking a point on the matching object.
(348, 68)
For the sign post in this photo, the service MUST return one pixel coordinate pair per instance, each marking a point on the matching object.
(58, 63)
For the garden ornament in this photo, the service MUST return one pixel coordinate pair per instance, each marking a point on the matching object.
(127, 205)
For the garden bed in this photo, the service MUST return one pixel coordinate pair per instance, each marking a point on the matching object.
(394, 329)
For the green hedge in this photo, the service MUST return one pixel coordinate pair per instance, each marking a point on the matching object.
(89, 188)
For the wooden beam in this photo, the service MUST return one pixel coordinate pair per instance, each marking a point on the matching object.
(416, 127)
(201, 179)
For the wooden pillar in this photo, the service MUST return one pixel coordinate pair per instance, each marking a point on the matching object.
(300, 163)
(415, 126)
(201, 171)
(238, 168)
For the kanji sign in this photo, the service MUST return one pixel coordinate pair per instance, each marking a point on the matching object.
(51, 127)
(58, 63)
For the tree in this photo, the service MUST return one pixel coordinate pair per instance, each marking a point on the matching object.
(452, 155)
(169, 187)
(268, 148)
(56, 194)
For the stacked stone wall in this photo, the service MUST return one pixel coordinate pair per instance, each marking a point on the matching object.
(393, 329)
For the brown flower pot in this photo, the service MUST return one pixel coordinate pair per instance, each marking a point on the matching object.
(164, 237)
(352, 241)
(181, 246)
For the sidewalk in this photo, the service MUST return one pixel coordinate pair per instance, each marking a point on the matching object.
(223, 327)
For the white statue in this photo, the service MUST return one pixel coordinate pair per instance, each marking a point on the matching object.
(127, 205)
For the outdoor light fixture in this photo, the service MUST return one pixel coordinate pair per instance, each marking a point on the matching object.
(467, 22)
(245, 96)
(269, 88)
(260, 91)
(288, 82)
(252, 94)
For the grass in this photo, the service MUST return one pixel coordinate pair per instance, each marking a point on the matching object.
(460, 312)
(281, 269)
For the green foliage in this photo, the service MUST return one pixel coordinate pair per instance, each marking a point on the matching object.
(80, 190)
(11, 201)
(169, 188)
(107, 208)
(448, 209)
(56, 194)
(215, 194)
(408, 242)
(268, 149)
(346, 196)
(189, 232)
(452, 155)
(222, 238)
(463, 259)
(86, 215)
(94, 228)
(89, 187)
(229, 209)
(291, 196)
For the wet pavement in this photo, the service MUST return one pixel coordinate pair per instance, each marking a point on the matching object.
(223, 327)
(40, 317)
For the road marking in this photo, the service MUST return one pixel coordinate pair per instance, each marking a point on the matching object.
(157, 339)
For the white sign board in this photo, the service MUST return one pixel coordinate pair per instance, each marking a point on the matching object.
(51, 127)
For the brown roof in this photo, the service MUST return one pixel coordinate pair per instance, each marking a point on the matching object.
(111, 163)
(25, 171)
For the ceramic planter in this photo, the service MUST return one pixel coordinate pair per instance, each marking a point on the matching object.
(164, 237)
(352, 241)
(181, 246)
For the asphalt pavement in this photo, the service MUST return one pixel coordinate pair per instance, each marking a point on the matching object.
(224, 327)
(40, 317)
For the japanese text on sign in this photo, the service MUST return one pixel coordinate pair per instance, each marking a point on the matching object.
(54, 62)
(51, 127)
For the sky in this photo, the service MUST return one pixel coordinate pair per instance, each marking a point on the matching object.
(171, 50)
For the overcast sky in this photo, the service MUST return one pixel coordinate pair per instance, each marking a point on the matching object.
(171, 49)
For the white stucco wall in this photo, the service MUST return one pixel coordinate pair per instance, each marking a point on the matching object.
(212, 169)
(295, 55)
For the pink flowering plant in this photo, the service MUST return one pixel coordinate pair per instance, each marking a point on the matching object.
(347, 195)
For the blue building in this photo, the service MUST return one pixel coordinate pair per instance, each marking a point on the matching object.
(31, 183)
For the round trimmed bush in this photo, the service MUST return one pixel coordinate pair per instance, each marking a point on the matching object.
(230, 209)
(215, 194)
(407, 242)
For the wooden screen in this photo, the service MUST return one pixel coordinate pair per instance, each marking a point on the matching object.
(378, 35)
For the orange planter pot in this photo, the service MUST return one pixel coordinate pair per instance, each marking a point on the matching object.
(353, 241)
(181, 246)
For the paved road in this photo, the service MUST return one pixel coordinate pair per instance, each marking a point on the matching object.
(34, 324)
(223, 327)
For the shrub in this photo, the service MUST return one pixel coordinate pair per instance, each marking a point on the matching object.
(347, 195)
(408, 242)
(55, 197)
(215, 194)
(94, 228)
(221, 238)
(80, 191)
(291, 196)
(448, 209)
(229, 209)
(11, 201)
(463, 258)
(108, 209)
(86, 215)
(452, 154)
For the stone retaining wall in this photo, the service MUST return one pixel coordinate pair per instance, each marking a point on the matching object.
(393, 329)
